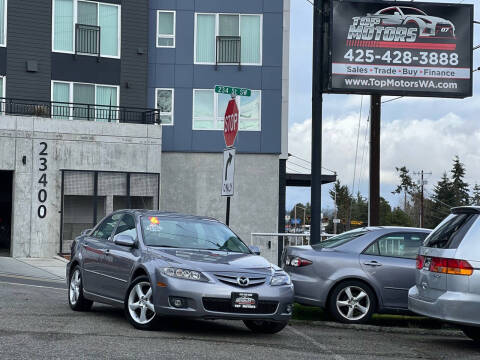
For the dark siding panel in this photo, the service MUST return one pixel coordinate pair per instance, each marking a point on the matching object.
(134, 65)
(32, 42)
(3, 61)
(83, 68)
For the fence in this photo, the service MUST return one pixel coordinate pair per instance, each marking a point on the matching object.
(87, 39)
(76, 111)
(268, 243)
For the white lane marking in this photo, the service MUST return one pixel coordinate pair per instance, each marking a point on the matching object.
(316, 343)
(30, 278)
(38, 286)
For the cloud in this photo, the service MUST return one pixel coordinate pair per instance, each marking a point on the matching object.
(428, 144)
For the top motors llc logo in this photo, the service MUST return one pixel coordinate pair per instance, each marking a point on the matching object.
(399, 24)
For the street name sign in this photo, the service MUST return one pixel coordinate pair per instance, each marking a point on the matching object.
(230, 124)
(228, 174)
(229, 90)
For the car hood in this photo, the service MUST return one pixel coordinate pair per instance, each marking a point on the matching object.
(211, 261)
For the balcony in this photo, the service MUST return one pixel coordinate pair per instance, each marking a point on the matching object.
(87, 40)
(75, 111)
(229, 50)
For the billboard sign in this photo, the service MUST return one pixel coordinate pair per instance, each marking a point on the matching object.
(399, 48)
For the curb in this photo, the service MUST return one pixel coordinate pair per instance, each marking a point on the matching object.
(383, 329)
(56, 257)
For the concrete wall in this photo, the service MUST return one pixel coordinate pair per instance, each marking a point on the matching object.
(72, 145)
(191, 183)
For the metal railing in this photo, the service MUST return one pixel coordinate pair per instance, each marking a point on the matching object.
(76, 111)
(268, 242)
(229, 50)
(87, 39)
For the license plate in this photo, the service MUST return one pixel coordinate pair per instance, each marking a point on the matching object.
(244, 300)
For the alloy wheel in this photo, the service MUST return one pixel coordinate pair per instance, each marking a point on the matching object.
(353, 303)
(74, 289)
(140, 304)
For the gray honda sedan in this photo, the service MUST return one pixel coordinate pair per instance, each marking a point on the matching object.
(357, 273)
(155, 264)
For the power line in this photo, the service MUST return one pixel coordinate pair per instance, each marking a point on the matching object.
(309, 163)
(300, 166)
(386, 101)
(362, 168)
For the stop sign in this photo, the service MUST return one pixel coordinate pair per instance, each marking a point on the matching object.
(230, 127)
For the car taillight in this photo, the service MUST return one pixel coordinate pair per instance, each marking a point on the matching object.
(420, 261)
(450, 266)
(297, 261)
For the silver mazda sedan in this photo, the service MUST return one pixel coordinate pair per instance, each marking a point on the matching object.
(357, 273)
(155, 264)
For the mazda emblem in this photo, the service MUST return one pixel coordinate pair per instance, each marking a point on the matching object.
(243, 281)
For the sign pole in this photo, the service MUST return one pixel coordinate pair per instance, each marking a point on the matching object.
(374, 192)
(227, 216)
(317, 83)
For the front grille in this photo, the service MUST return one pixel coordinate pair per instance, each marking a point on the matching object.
(225, 305)
(253, 279)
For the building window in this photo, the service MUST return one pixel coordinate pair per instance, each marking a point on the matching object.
(80, 101)
(3, 22)
(209, 110)
(166, 29)
(165, 103)
(247, 28)
(86, 27)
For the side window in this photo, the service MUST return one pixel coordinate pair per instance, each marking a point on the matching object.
(126, 226)
(402, 245)
(105, 230)
(372, 249)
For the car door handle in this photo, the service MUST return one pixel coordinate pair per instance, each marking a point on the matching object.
(107, 252)
(85, 245)
(372, 263)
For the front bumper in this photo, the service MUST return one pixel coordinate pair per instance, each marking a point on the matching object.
(451, 306)
(194, 293)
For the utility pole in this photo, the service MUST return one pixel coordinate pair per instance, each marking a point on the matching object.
(422, 197)
(317, 98)
(374, 187)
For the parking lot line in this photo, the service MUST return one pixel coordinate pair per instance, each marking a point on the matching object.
(37, 286)
(316, 343)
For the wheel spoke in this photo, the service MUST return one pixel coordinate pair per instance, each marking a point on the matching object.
(361, 295)
(134, 306)
(150, 306)
(342, 303)
(350, 312)
(348, 291)
(362, 309)
(138, 290)
(143, 314)
(149, 293)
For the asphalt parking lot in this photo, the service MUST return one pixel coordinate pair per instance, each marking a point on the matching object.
(37, 323)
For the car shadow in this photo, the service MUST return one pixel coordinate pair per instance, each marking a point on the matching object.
(179, 324)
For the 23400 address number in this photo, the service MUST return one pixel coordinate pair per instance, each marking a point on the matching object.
(402, 57)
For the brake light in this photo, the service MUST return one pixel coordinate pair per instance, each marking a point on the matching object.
(297, 261)
(420, 261)
(450, 266)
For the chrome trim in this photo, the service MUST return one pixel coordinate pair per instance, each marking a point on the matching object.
(108, 276)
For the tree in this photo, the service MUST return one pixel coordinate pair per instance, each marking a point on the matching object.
(407, 186)
(443, 198)
(459, 187)
(343, 202)
(400, 218)
(475, 199)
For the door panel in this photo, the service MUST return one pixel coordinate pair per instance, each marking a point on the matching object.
(391, 263)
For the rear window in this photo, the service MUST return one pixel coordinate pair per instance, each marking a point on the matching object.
(450, 232)
(341, 239)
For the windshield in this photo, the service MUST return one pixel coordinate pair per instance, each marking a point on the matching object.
(412, 11)
(341, 239)
(190, 234)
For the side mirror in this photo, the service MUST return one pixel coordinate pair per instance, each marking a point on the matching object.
(85, 232)
(255, 250)
(397, 13)
(124, 240)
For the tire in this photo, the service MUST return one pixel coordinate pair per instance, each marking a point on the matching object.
(265, 326)
(472, 332)
(76, 300)
(139, 308)
(352, 302)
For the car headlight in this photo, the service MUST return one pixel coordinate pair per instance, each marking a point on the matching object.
(280, 279)
(183, 274)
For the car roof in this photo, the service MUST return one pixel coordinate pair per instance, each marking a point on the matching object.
(395, 228)
(466, 210)
(165, 214)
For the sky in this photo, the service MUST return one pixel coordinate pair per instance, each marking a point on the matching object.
(419, 133)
